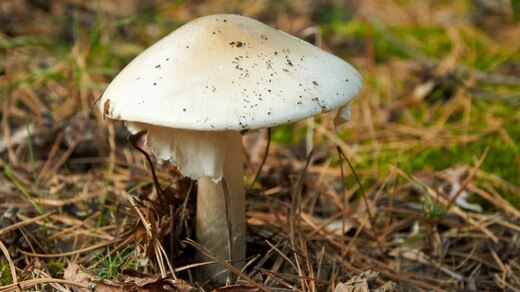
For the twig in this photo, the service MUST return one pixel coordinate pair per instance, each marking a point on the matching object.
(23, 223)
(33, 282)
(282, 254)
(228, 266)
(63, 158)
(391, 197)
(50, 157)
(296, 210)
(165, 254)
(133, 141)
(70, 253)
(343, 203)
(273, 275)
(12, 268)
(367, 205)
(465, 183)
(228, 221)
(183, 213)
(264, 158)
(261, 262)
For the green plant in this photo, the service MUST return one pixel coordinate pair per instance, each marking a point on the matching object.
(5, 273)
(110, 264)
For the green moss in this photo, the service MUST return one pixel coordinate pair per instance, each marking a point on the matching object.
(329, 13)
(502, 160)
(5, 273)
(287, 135)
(429, 40)
(56, 267)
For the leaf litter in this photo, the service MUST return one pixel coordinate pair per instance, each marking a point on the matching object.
(81, 210)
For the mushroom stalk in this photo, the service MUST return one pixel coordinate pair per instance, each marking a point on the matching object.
(211, 223)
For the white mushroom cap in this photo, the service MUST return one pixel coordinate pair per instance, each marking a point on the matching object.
(229, 72)
(220, 74)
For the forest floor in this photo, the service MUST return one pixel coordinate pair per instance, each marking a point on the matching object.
(419, 191)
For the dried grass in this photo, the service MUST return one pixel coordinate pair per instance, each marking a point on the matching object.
(76, 201)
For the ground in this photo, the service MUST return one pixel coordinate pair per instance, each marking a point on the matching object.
(419, 191)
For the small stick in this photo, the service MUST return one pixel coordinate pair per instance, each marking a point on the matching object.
(133, 140)
(70, 253)
(23, 223)
(466, 182)
(264, 158)
(296, 211)
(183, 212)
(228, 221)
(343, 204)
(11, 265)
(228, 266)
(24, 285)
(365, 200)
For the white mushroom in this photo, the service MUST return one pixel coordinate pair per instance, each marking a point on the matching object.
(196, 89)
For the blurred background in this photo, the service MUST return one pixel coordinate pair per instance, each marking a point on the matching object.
(448, 71)
(434, 136)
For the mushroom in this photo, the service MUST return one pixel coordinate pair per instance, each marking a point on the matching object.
(199, 88)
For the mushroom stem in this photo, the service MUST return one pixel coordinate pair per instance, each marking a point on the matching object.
(212, 227)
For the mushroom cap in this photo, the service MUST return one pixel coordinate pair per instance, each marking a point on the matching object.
(229, 72)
